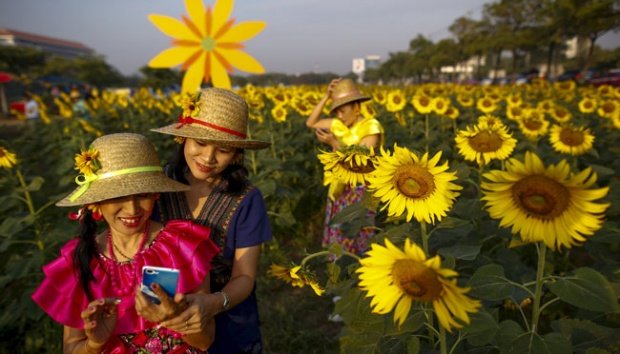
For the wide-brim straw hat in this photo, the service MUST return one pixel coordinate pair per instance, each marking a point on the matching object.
(221, 118)
(128, 164)
(346, 92)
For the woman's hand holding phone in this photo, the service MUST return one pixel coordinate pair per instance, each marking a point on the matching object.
(154, 300)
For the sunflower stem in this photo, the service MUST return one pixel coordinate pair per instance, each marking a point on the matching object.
(426, 130)
(429, 312)
(443, 345)
(541, 248)
(424, 236)
(27, 196)
(455, 129)
(325, 253)
(252, 153)
(31, 210)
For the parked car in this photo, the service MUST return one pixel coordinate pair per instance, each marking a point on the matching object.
(611, 77)
(575, 75)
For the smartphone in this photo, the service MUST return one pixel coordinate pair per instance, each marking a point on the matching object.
(167, 278)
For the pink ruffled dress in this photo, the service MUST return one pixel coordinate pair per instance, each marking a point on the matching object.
(180, 244)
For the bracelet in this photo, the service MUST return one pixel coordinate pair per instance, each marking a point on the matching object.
(226, 300)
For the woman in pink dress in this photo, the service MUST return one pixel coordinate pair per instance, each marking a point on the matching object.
(93, 287)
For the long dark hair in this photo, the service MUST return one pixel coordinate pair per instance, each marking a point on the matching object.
(86, 250)
(235, 174)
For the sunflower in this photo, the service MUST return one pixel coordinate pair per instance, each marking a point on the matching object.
(368, 110)
(279, 113)
(609, 109)
(560, 114)
(406, 182)
(587, 105)
(452, 113)
(485, 142)
(189, 101)
(395, 101)
(86, 162)
(440, 105)
(351, 165)
(207, 43)
(533, 123)
(486, 105)
(490, 120)
(380, 97)
(465, 100)
(546, 105)
(7, 158)
(570, 139)
(301, 106)
(514, 100)
(514, 112)
(297, 276)
(396, 278)
(422, 103)
(548, 204)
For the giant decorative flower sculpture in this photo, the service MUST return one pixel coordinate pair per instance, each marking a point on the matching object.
(207, 44)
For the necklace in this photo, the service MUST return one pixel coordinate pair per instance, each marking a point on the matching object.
(112, 246)
(123, 275)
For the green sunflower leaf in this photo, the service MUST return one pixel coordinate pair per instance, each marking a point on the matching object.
(508, 331)
(587, 289)
(481, 330)
(490, 283)
(533, 343)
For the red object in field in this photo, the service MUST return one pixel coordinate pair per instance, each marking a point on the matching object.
(612, 77)
(19, 106)
(5, 77)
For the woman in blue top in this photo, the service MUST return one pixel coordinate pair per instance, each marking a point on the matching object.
(212, 132)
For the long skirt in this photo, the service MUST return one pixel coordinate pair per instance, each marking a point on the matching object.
(333, 233)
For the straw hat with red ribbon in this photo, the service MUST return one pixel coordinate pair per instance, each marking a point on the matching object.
(214, 115)
(346, 92)
(118, 165)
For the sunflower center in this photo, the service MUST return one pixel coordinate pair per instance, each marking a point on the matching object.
(357, 168)
(608, 107)
(541, 196)
(208, 43)
(414, 182)
(2, 154)
(485, 141)
(532, 124)
(416, 279)
(571, 137)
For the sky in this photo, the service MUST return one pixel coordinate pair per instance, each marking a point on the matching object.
(301, 35)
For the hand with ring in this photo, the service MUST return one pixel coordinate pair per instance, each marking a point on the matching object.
(197, 316)
(168, 307)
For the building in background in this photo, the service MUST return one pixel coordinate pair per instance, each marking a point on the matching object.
(60, 47)
(360, 65)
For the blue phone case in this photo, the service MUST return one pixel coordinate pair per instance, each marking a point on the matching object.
(167, 278)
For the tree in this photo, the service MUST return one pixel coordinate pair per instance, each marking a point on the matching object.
(593, 18)
(20, 60)
(159, 78)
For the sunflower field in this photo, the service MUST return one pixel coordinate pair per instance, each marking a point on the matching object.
(497, 217)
